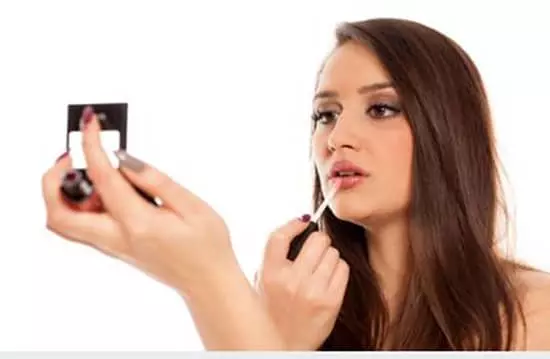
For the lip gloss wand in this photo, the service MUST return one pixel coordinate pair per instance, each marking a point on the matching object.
(298, 241)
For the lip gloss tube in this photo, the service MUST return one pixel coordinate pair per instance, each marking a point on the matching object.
(76, 186)
(313, 226)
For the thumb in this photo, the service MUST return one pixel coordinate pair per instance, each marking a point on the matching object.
(279, 241)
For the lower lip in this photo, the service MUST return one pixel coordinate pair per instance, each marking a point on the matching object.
(347, 182)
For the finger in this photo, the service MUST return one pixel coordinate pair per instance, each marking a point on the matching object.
(91, 204)
(117, 195)
(339, 280)
(98, 230)
(78, 194)
(51, 180)
(325, 271)
(311, 254)
(157, 184)
(275, 253)
(51, 188)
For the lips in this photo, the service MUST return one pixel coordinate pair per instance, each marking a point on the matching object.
(342, 169)
(346, 174)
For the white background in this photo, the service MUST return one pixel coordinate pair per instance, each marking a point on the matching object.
(219, 96)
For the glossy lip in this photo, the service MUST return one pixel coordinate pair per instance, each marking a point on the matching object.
(345, 166)
(343, 183)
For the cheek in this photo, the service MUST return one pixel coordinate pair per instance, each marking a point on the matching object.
(319, 149)
(392, 161)
(398, 166)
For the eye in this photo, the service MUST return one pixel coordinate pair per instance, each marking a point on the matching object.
(381, 111)
(324, 117)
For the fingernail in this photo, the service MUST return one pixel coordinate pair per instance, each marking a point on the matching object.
(129, 162)
(87, 115)
(305, 218)
(61, 157)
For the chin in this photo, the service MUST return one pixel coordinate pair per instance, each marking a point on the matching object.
(351, 210)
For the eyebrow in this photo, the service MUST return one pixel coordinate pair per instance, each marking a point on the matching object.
(363, 89)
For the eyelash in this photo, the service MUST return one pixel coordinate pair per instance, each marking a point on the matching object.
(317, 116)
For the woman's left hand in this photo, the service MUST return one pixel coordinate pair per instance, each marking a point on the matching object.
(183, 243)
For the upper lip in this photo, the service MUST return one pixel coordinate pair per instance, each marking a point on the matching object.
(345, 166)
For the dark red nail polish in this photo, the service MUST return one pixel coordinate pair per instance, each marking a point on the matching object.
(71, 176)
(62, 157)
(305, 218)
(87, 115)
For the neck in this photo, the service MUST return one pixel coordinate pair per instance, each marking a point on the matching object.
(388, 252)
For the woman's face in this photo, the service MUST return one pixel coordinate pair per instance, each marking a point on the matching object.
(359, 120)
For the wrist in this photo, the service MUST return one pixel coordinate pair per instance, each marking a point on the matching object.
(208, 280)
(228, 312)
(213, 281)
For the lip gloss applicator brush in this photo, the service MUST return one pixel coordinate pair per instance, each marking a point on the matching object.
(298, 241)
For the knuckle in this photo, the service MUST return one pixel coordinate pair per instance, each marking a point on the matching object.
(155, 179)
(328, 300)
(290, 289)
(343, 269)
(333, 252)
(320, 239)
(276, 236)
(47, 181)
(315, 299)
(309, 295)
(282, 233)
(272, 279)
(317, 242)
(267, 276)
(138, 229)
(344, 265)
(332, 302)
(54, 220)
(268, 281)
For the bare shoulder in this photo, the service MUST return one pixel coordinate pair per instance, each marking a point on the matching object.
(534, 289)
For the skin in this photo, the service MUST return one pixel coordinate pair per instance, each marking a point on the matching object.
(304, 296)
(175, 244)
(379, 140)
(368, 129)
(178, 243)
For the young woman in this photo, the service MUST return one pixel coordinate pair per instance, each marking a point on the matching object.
(407, 253)
(404, 108)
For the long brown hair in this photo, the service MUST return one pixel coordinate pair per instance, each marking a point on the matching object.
(461, 293)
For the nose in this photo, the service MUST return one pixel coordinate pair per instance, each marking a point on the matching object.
(343, 134)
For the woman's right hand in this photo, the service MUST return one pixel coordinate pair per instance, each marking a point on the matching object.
(303, 297)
